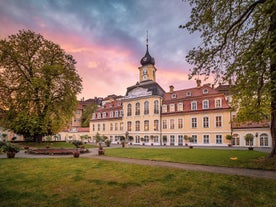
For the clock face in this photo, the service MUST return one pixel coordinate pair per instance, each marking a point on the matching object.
(145, 71)
(145, 59)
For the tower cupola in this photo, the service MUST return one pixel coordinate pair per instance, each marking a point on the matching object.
(147, 59)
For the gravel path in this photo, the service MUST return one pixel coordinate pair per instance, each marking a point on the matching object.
(203, 168)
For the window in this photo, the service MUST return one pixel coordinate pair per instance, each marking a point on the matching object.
(146, 125)
(111, 114)
(129, 110)
(180, 123)
(218, 139)
(99, 127)
(172, 107)
(180, 140)
(156, 139)
(174, 95)
(121, 126)
(236, 139)
(146, 107)
(104, 114)
(156, 107)
(172, 140)
(116, 113)
(172, 124)
(165, 126)
(137, 126)
(116, 126)
(193, 105)
(164, 108)
(205, 122)
(137, 139)
(93, 127)
(137, 109)
(111, 126)
(188, 93)
(146, 139)
(180, 107)
(103, 127)
(99, 115)
(206, 139)
(129, 126)
(218, 103)
(205, 91)
(194, 139)
(121, 113)
(218, 121)
(205, 104)
(263, 140)
(194, 122)
(156, 124)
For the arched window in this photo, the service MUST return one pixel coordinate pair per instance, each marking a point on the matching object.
(156, 107)
(263, 140)
(137, 109)
(146, 107)
(236, 139)
(129, 110)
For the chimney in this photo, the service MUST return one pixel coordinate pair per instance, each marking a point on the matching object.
(171, 88)
(198, 83)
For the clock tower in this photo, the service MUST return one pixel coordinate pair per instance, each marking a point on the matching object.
(147, 70)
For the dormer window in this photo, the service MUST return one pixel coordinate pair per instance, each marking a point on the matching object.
(174, 95)
(193, 105)
(99, 115)
(205, 91)
(188, 93)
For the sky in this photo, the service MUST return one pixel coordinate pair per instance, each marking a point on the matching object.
(107, 38)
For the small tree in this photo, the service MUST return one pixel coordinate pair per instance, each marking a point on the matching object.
(165, 139)
(186, 138)
(99, 140)
(123, 141)
(249, 139)
(229, 137)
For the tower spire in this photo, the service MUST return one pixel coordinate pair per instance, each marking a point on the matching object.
(147, 40)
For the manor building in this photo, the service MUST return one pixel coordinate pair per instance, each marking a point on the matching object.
(152, 116)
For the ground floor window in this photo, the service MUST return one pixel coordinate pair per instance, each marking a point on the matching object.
(111, 138)
(263, 140)
(236, 139)
(137, 139)
(206, 139)
(156, 139)
(146, 139)
(172, 140)
(180, 140)
(194, 139)
(218, 139)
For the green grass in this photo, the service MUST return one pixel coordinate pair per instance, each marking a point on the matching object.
(86, 182)
(52, 145)
(245, 158)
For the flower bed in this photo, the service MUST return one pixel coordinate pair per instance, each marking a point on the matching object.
(55, 151)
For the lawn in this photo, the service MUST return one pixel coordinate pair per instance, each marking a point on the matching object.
(228, 158)
(86, 182)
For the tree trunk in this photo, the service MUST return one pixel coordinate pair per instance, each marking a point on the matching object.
(273, 81)
(38, 138)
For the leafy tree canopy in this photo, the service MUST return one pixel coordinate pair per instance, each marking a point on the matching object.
(87, 114)
(38, 85)
(238, 47)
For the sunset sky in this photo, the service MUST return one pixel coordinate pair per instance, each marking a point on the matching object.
(107, 38)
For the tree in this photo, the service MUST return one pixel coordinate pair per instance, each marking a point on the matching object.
(87, 114)
(38, 85)
(238, 47)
